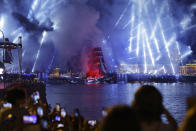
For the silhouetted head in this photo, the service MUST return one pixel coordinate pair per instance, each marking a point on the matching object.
(120, 118)
(148, 103)
(189, 121)
(15, 96)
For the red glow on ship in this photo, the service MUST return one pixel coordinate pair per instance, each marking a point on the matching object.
(96, 64)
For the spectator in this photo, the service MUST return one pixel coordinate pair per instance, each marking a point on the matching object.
(120, 118)
(77, 120)
(149, 108)
(12, 117)
(189, 122)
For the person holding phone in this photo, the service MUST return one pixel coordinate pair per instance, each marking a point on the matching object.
(120, 118)
(35, 96)
(55, 112)
(104, 112)
(77, 119)
(63, 113)
(188, 123)
(17, 97)
(40, 111)
(57, 107)
(148, 105)
(92, 122)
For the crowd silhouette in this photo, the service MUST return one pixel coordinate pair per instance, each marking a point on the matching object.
(20, 111)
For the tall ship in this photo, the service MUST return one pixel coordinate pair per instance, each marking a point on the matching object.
(96, 66)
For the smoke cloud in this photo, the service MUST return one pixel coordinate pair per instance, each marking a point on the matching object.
(185, 12)
(75, 30)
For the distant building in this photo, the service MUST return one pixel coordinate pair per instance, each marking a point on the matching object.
(188, 69)
(55, 73)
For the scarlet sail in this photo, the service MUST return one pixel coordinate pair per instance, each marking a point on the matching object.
(96, 64)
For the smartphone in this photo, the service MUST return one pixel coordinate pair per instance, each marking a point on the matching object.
(63, 113)
(57, 107)
(76, 114)
(40, 111)
(30, 119)
(104, 113)
(60, 125)
(92, 122)
(44, 124)
(7, 105)
(9, 116)
(36, 96)
(57, 118)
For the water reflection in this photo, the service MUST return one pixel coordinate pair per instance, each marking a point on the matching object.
(90, 98)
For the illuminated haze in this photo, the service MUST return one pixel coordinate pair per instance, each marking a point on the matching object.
(56, 33)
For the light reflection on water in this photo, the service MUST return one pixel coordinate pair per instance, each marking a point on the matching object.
(90, 99)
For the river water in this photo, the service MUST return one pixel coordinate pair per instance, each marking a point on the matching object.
(91, 98)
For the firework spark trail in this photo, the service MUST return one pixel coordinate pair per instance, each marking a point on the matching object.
(16, 38)
(186, 54)
(51, 62)
(41, 14)
(52, 5)
(122, 14)
(178, 48)
(131, 32)
(144, 53)
(149, 48)
(164, 69)
(139, 33)
(2, 21)
(160, 69)
(185, 22)
(47, 7)
(158, 15)
(157, 46)
(128, 23)
(132, 58)
(30, 17)
(139, 26)
(23, 53)
(138, 41)
(45, 4)
(164, 40)
(166, 47)
(33, 7)
(148, 39)
(171, 41)
(38, 53)
(189, 28)
(177, 45)
(158, 58)
(154, 34)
